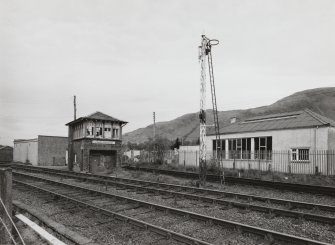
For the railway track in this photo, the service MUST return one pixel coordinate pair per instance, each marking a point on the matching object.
(187, 191)
(216, 197)
(83, 203)
(218, 222)
(325, 190)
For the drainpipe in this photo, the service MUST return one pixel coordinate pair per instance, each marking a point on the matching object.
(315, 137)
(315, 151)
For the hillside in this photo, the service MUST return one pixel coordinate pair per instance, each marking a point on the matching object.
(319, 100)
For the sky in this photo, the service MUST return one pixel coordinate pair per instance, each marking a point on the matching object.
(130, 58)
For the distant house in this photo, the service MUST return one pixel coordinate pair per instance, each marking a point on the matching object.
(41, 151)
(131, 154)
(95, 142)
(298, 138)
(6, 154)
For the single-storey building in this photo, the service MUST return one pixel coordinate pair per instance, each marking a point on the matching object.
(297, 142)
(41, 151)
(6, 154)
(132, 154)
(95, 142)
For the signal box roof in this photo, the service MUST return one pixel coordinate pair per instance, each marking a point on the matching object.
(99, 116)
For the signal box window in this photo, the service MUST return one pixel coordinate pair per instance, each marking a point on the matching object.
(115, 133)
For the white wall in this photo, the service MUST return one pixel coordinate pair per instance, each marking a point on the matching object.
(331, 138)
(189, 148)
(26, 150)
(319, 139)
(132, 153)
(188, 155)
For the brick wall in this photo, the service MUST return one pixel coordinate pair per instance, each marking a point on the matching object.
(6, 154)
(82, 149)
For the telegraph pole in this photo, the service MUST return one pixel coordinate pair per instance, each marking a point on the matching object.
(154, 138)
(70, 138)
(154, 125)
(74, 107)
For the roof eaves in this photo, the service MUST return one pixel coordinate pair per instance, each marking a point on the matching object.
(85, 118)
(263, 130)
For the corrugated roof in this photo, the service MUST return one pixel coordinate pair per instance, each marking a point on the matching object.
(98, 116)
(298, 119)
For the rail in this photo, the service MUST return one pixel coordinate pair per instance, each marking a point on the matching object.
(244, 228)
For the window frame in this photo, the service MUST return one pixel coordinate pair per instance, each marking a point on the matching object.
(116, 135)
(298, 156)
(222, 145)
(263, 148)
(236, 148)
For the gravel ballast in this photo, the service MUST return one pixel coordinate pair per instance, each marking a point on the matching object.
(311, 230)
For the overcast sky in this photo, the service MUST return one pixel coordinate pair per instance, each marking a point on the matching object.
(130, 58)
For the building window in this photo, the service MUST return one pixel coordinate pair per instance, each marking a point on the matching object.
(221, 147)
(232, 148)
(263, 148)
(98, 131)
(239, 148)
(300, 154)
(115, 133)
(246, 148)
(89, 131)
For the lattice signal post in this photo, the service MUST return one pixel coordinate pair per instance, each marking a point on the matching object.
(205, 52)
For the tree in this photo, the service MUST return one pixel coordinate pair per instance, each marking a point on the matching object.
(161, 146)
(176, 144)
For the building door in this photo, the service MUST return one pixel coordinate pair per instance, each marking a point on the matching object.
(94, 163)
(103, 160)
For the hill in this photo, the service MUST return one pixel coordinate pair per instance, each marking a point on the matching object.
(319, 100)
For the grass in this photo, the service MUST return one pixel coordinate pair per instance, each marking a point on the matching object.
(254, 174)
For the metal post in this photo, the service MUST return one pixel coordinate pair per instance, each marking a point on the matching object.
(154, 117)
(74, 107)
(289, 162)
(6, 198)
(202, 114)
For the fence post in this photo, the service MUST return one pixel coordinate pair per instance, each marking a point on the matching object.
(6, 198)
(289, 162)
(327, 162)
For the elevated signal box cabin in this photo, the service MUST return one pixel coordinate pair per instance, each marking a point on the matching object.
(95, 142)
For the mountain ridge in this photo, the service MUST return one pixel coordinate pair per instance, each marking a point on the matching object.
(319, 100)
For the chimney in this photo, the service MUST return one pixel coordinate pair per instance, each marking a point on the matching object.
(233, 120)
